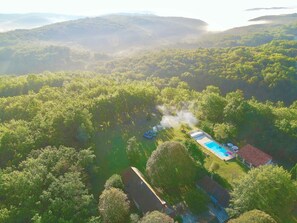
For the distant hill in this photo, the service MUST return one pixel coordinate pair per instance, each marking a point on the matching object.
(266, 29)
(31, 20)
(79, 44)
(266, 24)
(277, 19)
(115, 33)
(75, 44)
(269, 8)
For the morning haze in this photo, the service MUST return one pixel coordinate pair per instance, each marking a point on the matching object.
(148, 111)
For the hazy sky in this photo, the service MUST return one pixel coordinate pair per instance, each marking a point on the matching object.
(220, 14)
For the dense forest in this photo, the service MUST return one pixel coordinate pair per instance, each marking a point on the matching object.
(263, 72)
(29, 58)
(54, 127)
(77, 97)
(83, 102)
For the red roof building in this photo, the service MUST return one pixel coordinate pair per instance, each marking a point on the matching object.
(253, 157)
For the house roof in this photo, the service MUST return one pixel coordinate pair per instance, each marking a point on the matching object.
(214, 189)
(253, 155)
(139, 190)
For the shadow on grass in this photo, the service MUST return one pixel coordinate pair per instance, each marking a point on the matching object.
(222, 181)
(240, 164)
(165, 135)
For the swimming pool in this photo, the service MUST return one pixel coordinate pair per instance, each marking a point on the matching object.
(217, 149)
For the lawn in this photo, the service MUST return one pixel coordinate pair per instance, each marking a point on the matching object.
(228, 171)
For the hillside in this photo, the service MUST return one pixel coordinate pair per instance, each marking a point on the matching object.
(114, 33)
(79, 44)
(277, 19)
(262, 72)
(74, 45)
(266, 29)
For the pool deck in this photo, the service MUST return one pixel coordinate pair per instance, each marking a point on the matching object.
(205, 139)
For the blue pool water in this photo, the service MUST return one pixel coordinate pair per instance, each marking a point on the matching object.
(219, 150)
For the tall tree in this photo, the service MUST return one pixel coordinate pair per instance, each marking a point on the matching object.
(170, 166)
(194, 151)
(235, 108)
(266, 188)
(114, 206)
(212, 107)
(133, 151)
(213, 168)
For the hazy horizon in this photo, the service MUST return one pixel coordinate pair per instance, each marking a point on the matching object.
(220, 15)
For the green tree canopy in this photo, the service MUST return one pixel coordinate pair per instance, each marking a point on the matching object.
(133, 151)
(224, 132)
(170, 166)
(114, 181)
(114, 206)
(212, 107)
(49, 182)
(156, 217)
(194, 150)
(235, 108)
(266, 188)
(254, 216)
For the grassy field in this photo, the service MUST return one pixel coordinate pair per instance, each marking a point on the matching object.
(228, 171)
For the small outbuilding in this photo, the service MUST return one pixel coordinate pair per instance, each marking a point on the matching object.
(253, 157)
